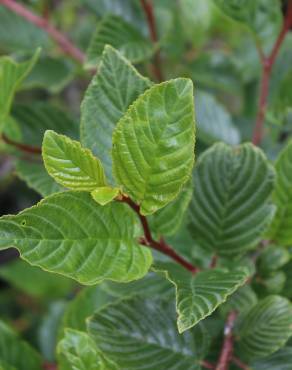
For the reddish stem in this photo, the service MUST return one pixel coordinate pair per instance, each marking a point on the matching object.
(214, 261)
(239, 363)
(267, 66)
(64, 43)
(49, 366)
(149, 13)
(207, 365)
(228, 344)
(23, 147)
(160, 246)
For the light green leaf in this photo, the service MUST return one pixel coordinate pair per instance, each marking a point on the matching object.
(214, 122)
(281, 360)
(78, 351)
(70, 234)
(17, 353)
(114, 31)
(198, 295)
(153, 144)
(127, 332)
(266, 328)
(11, 76)
(34, 281)
(168, 220)
(281, 228)
(116, 85)
(36, 177)
(104, 195)
(17, 34)
(273, 258)
(230, 210)
(71, 165)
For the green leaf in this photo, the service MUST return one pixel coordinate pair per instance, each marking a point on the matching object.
(168, 220)
(230, 209)
(281, 228)
(36, 177)
(34, 119)
(34, 281)
(214, 122)
(153, 144)
(104, 195)
(273, 258)
(17, 34)
(71, 165)
(241, 301)
(51, 74)
(79, 352)
(116, 85)
(87, 301)
(17, 353)
(140, 334)
(266, 328)
(152, 285)
(114, 31)
(197, 296)
(70, 234)
(280, 360)
(11, 76)
(48, 329)
(263, 17)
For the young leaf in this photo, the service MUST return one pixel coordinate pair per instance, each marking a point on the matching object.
(140, 334)
(281, 228)
(167, 220)
(71, 165)
(116, 85)
(79, 352)
(153, 144)
(114, 31)
(15, 352)
(197, 296)
(70, 234)
(266, 327)
(230, 209)
(11, 76)
(104, 195)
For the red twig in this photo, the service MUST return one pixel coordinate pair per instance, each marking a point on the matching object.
(227, 348)
(239, 363)
(207, 365)
(267, 66)
(214, 261)
(49, 366)
(160, 246)
(149, 13)
(23, 147)
(64, 43)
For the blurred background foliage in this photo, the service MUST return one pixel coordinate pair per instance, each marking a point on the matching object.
(216, 49)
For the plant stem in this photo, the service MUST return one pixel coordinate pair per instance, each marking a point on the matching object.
(228, 344)
(207, 365)
(160, 246)
(147, 6)
(64, 43)
(23, 147)
(239, 363)
(267, 66)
